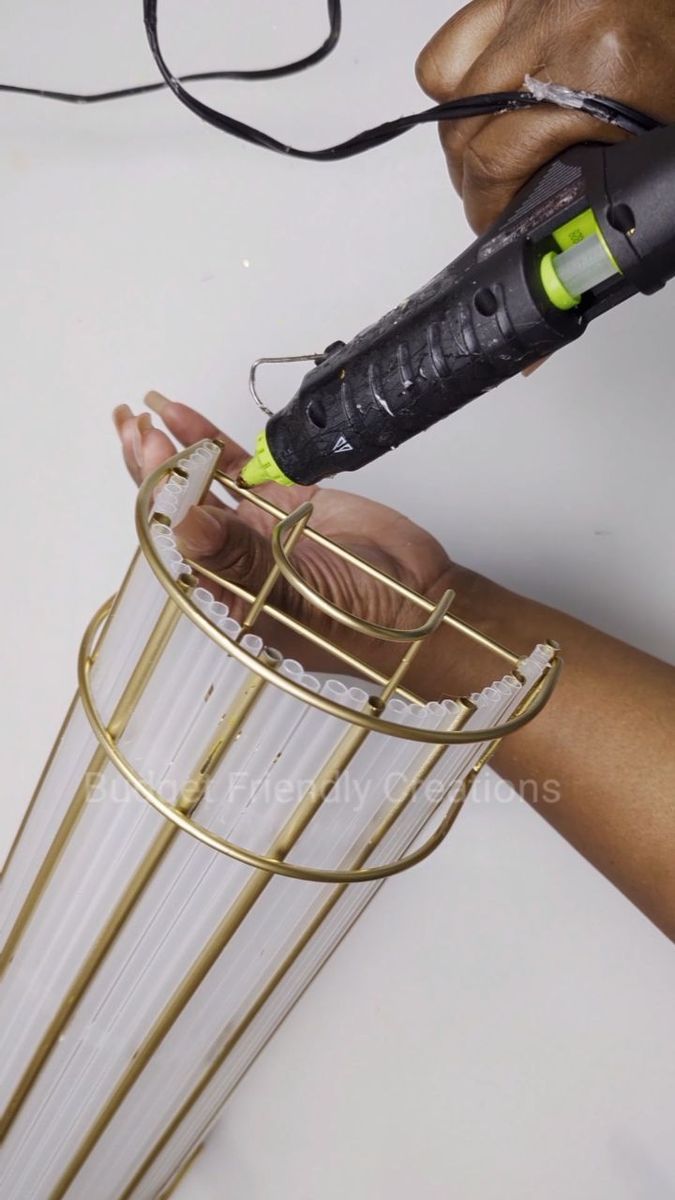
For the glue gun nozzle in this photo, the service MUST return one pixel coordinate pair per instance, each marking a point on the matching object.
(254, 472)
(262, 467)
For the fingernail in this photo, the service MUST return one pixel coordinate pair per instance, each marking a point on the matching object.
(157, 402)
(140, 427)
(120, 415)
(200, 532)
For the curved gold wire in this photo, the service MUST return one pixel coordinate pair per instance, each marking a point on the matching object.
(367, 720)
(262, 862)
(358, 624)
(451, 620)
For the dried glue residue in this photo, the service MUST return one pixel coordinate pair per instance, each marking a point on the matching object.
(555, 93)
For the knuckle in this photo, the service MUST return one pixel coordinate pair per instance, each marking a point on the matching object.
(485, 167)
(427, 72)
(615, 55)
(453, 140)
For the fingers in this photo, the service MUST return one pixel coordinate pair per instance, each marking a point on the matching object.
(156, 448)
(123, 418)
(211, 534)
(470, 57)
(498, 69)
(451, 53)
(489, 46)
(189, 426)
(143, 447)
(510, 149)
(216, 538)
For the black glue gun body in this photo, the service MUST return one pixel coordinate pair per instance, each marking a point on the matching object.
(591, 230)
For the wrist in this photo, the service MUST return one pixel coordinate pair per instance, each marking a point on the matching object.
(455, 664)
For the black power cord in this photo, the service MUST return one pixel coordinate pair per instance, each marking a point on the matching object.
(611, 112)
(143, 89)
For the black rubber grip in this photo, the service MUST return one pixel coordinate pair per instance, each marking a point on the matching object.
(473, 326)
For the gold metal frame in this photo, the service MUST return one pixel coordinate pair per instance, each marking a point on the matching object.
(181, 1173)
(286, 533)
(288, 530)
(286, 523)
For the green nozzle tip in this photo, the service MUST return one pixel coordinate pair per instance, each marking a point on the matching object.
(255, 472)
(263, 468)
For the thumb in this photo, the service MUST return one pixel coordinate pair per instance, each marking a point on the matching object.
(218, 539)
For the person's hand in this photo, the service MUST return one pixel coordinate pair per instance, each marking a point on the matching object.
(235, 543)
(612, 764)
(624, 49)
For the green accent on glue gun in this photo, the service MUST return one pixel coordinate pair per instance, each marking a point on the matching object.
(263, 467)
(554, 288)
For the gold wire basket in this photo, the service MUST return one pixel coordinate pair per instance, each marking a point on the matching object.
(261, 670)
(286, 533)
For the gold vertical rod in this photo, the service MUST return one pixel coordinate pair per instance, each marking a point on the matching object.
(263, 595)
(357, 665)
(284, 967)
(192, 793)
(62, 730)
(135, 686)
(38, 787)
(310, 804)
(379, 702)
(528, 699)
(181, 1172)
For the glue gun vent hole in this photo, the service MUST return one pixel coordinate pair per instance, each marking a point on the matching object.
(622, 218)
(486, 302)
(317, 414)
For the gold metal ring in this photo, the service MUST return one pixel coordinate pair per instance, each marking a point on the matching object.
(262, 862)
(367, 720)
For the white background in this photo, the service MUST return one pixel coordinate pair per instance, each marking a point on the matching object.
(500, 1022)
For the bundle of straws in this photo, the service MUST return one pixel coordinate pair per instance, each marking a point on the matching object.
(211, 822)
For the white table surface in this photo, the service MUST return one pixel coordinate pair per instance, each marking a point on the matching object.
(499, 1024)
